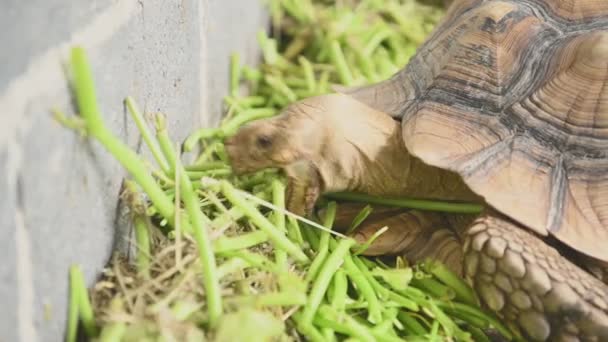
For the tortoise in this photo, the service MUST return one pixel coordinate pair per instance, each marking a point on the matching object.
(505, 103)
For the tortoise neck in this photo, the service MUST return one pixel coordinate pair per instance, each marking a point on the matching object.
(396, 172)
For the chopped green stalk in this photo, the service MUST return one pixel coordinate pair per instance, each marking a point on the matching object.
(293, 230)
(210, 276)
(182, 309)
(278, 199)
(308, 73)
(280, 86)
(227, 218)
(446, 322)
(72, 323)
(384, 292)
(80, 294)
(464, 208)
(278, 195)
(253, 259)
(337, 58)
(276, 236)
(473, 312)
(463, 291)
(365, 288)
(194, 175)
(375, 40)
(194, 138)
(233, 125)
(321, 283)
(166, 146)
(352, 327)
(113, 332)
(434, 336)
(206, 166)
(370, 241)
(310, 235)
(323, 85)
(478, 335)
(340, 287)
(232, 265)
(197, 219)
(143, 244)
(243, 103)
(285, 298)
(235, 74)
(245, 240)
(145, 133)
(294, 82)
(208, 152)
(411, 324)
(323, 249)
(434, 287)
(361, 216)
(386, 327)
(87, 104)
(308, 329)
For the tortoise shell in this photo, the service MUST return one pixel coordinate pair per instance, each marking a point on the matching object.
(513, 96)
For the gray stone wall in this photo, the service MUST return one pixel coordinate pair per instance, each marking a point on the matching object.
(59, 192)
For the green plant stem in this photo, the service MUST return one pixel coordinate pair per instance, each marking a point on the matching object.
(201, 236)
(340, 290)
(278, 199)
(463, 291)
(72, 323)
(285, 298)
(194, 138)
(321, 283)
(235, 74)
(88, 108)
(337, 58)
(469, 311)
(142, 237)
(411, 324)
(85, 311)
(206, 166)
(113, 332)
(463, 208)
(230, 127)
(348, 324)
(276, 236)
(225, 244)
(365, 289)
(323, 250)
(145, 133)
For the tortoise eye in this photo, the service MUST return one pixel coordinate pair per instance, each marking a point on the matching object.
(264, 141)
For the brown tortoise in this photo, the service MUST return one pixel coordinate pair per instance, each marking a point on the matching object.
(507, 103)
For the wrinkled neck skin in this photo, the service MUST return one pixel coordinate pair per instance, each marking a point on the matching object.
(364, 152)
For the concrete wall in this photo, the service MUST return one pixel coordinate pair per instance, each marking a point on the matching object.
(58, 203)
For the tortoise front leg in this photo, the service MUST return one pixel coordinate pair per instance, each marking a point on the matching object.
(531, 285)
(413, 234)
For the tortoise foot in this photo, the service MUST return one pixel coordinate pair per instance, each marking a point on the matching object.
(535, 289)
(413, 234)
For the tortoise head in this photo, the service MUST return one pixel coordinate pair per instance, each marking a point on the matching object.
(295, 134)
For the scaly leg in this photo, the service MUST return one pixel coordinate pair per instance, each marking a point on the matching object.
(526, 281)
(535, 289)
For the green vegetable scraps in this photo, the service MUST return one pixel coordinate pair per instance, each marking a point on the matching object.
(215, 251)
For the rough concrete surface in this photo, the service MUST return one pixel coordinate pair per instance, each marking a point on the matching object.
(59, 191)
